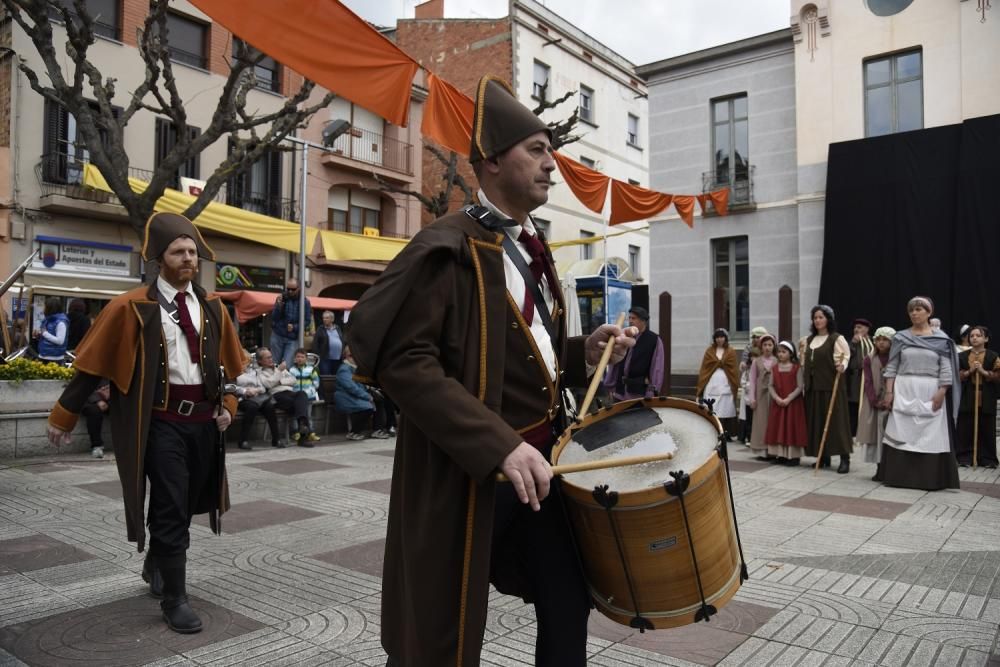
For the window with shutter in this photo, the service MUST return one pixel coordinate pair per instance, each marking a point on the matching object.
(164, 141)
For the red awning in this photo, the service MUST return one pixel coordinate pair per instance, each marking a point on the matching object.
(250, 304)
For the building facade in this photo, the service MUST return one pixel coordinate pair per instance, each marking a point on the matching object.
(88, 248)
(545, 57)
(759, 116)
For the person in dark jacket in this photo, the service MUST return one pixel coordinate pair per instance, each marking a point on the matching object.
(285, 323)
(79, 322)
(94, 411)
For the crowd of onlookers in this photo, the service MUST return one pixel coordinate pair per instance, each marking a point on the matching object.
(919, 404)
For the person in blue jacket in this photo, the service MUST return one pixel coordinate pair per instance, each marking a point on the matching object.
(285, 323)
(55, 328)
(354, 399)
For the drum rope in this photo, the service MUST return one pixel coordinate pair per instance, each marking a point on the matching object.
(608, 499)
(724, 455)
(680, 483)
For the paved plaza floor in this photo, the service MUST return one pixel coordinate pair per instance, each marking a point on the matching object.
(844, 571)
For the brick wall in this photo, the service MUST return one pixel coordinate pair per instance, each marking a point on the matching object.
(460, 51)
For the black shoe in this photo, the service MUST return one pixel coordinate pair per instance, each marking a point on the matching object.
(305, 443)
(151, 575)
(792, 462)
(280, 444)
(845, 465)
(824, 462)
(177, 611)
(245, 446)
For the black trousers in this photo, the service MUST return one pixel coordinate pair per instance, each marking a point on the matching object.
(295, 403)
(250, 409)
(536, 548)
(95, 419)
(180, 464)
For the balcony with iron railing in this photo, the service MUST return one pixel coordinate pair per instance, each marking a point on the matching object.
(61, 189)
(739, 182)
(367, 147)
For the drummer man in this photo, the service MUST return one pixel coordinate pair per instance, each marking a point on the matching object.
(467, 338)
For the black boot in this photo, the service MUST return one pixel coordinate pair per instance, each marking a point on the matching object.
(845, 465)
(151, 575)
(177, 612)
(824, 462)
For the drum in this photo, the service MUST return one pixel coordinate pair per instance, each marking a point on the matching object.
(659, 541)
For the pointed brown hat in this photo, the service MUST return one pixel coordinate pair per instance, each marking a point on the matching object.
(163, 228)
(499, 121)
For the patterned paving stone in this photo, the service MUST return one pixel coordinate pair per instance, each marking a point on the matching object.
(379, 485)
(296, 466)
(366, 557)
(112, 489)
(748, 466)
(37, 552)
(125, 632)
(258, 514)
(876, 509)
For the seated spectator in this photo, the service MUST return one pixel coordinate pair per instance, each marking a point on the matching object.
(94, 410)
(354, 399)
(280, 385)
(255, 398)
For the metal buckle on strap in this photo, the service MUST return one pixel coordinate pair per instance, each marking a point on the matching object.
(185, 407)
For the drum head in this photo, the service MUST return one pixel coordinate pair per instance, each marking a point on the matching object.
(642, 429)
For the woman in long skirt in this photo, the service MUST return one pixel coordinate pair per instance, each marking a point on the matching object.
(874, 409)
(718, 379)
(978, 361)
(759, 388)
(921, 383)
(826, 356)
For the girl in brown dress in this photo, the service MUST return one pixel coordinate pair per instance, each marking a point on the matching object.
(759, 388)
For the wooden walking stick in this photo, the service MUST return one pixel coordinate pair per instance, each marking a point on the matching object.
(975, 425)
(826, 424)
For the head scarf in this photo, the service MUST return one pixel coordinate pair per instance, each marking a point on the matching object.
(758, 331)
(885, 332)
(925, 301)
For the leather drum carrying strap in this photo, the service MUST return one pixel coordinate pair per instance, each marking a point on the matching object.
(170, 307)
(530, 284)
(491, 221)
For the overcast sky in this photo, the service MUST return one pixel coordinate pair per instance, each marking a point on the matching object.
(641, 30)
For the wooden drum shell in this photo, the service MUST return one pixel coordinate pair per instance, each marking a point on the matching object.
(655, 543)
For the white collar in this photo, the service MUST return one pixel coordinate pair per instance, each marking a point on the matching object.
(515, 230)
(168, 291)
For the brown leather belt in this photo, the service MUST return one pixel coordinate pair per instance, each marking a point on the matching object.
(186, 408)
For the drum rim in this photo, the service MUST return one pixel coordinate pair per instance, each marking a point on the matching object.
(649, 496)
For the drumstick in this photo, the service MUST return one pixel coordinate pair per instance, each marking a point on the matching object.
(602, 464)
(599, 373)
(826, 424)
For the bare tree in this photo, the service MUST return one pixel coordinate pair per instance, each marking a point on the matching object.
(440, 202)
(86, 93)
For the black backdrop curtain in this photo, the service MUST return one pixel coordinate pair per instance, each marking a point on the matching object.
(915, 213)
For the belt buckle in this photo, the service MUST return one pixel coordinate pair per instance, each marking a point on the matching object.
(185, 408)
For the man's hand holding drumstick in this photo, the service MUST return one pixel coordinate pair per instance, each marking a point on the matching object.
(525, 467)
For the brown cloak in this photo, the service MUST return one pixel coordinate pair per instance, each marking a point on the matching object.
(438, 334)
(730, 363)
(125, 344)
